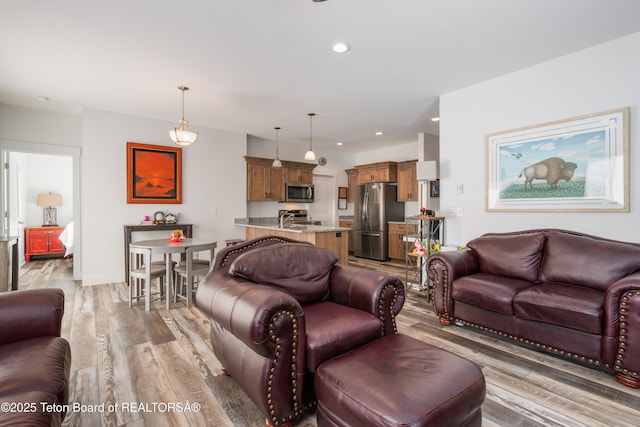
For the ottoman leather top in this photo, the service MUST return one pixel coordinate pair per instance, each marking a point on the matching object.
(398, 380)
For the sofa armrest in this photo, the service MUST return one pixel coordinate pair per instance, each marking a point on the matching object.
(443, 268)
(622, 324)
(378, 293)
(30, 314)
(257, 315)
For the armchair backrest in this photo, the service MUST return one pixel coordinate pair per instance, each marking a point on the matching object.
(301, 270)
(226, 256)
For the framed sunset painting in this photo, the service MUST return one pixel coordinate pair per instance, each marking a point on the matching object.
(154, 174)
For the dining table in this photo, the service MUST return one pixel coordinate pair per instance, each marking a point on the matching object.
(167, 247)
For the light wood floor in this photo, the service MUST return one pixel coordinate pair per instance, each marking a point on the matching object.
(145, 362)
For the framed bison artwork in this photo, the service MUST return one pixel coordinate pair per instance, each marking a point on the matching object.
(578, 164)
(154, 173)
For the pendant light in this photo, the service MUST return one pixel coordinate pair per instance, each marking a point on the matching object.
(276, 162)
(183, 135)
(310, 155)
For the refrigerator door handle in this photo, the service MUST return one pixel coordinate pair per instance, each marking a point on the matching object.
(364, 233)
(365, 209)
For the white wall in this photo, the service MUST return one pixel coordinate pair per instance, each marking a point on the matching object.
(47, 174)
(596, 79)
(214, 181)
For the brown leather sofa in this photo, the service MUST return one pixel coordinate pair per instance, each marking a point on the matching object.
(34, 359)
(565, 292)
(280, 308)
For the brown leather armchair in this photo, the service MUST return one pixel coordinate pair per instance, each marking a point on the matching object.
(34, 359)
(280, 308)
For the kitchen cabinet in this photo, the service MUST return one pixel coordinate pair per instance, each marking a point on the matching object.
(352, 225)
(397, 242)
(298, 175)
(377, 172)
(264, 182)
(42, 241)
(407, 182)
(352, 179)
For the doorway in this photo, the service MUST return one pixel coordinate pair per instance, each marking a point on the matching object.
(324, 207)
(35, 168)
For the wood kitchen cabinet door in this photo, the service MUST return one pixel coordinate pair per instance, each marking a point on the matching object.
(352, 226)
(377, 172)
(396, 237)
(299, 176)
(352, 179)
(264, 183)
(407, 182)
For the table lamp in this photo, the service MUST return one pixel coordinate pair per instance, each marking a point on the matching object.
(49, 202)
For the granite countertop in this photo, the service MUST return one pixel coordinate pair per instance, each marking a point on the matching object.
(264, 223)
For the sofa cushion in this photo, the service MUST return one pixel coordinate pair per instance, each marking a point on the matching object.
(36, 364)
(587, 261)
(334, 329)
(299, 269)
(517, 256)
(488, 291)
(572, 307)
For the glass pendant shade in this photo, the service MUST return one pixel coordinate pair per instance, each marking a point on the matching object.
(276, 162)
(310, 155)
(183, 134)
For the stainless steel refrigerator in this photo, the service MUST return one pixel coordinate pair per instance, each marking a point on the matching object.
(375, 205)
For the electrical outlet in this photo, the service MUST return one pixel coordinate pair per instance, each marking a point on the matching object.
(456, 211)
(214, 211)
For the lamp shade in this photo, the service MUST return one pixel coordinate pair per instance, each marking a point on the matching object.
(427, 171)
(49, 200)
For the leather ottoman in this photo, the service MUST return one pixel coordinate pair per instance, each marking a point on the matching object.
(399, 381)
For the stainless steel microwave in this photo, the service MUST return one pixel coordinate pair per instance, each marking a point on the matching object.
(301, 193)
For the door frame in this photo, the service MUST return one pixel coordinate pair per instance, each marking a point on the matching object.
(8, 146)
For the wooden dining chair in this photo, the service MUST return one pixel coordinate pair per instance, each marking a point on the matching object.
(141, 269)
(197, 263)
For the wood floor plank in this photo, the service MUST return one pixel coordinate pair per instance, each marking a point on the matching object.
(164, 354)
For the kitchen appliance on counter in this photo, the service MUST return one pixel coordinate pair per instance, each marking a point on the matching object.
(300, 193)
(375, 205)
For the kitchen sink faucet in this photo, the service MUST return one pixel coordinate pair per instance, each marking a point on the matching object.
(284, 217)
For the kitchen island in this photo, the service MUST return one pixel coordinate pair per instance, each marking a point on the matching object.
(334, 238)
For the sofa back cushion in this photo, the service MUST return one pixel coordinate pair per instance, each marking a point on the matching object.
(301, 270)
(587, 261)
(511, 255)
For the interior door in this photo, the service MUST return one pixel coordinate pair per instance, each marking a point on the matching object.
(324, 207)
(4, 193)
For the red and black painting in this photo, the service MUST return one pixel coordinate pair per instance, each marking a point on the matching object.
(154, 173)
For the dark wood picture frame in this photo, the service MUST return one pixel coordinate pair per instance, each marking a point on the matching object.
(154, 174)
(435, 188)
(342, 197)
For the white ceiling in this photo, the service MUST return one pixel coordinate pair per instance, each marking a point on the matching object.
(255, 64)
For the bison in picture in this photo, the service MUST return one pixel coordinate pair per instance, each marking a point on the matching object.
(552, 169)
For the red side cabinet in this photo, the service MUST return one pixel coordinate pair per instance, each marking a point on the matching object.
(42, 241)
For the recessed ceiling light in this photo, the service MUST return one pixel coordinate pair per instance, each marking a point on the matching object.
(379, 133)
(340, 47)
(43, 99)
(339, 143)
(435, 119)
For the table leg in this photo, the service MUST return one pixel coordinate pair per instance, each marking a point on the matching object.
(168, 281)
(189, 280)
